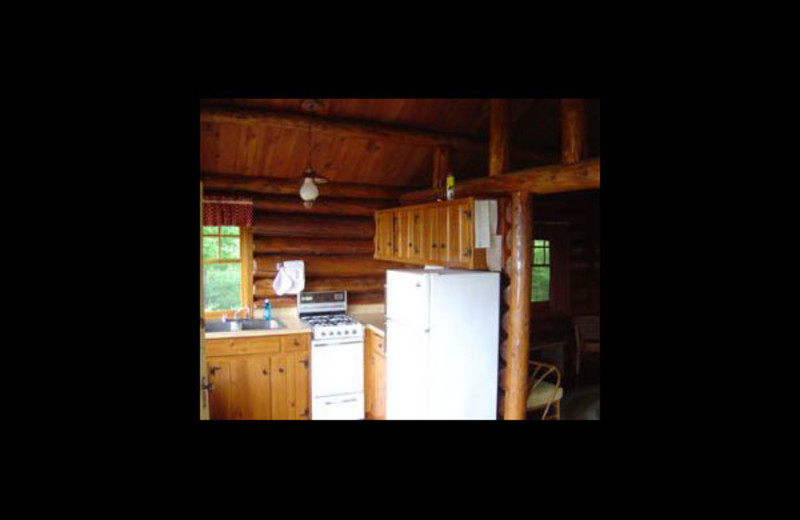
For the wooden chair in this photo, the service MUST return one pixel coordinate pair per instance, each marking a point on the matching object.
(545, 394)
(587, 338)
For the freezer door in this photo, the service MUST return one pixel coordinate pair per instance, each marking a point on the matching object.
(407, 297)
(406, 372)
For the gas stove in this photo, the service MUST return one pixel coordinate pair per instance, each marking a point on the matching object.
(334, 326)
(337, 355)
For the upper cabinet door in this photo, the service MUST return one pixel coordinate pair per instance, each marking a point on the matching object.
(384, 234)
(417, 223)
(442, 235)
(430, 241)
(465, 223)
(400, 234)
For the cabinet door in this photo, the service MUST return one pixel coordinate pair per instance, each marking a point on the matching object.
(298, 386)
(251, 382)
(466, 249)
(430, 244)
(400, 234)
(386, 225)
(378, 361)
(443, 228)
(241, 387)
(417, 224)
(282, 386)
(220, 397)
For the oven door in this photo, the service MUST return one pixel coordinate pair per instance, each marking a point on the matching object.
(337, 368)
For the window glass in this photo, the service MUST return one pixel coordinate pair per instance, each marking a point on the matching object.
(222, 268)
(540, 274)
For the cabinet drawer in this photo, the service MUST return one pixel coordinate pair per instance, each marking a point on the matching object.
(296, 342)
(233, 346)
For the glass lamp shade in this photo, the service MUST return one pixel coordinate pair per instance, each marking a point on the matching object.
(309, 191)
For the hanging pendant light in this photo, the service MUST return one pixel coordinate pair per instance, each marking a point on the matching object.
(308, 190)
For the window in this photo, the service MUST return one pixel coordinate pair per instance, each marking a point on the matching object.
(540, 275)
(226, 268)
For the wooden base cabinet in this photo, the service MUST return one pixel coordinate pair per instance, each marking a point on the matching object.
(438, 233)
(375, 376)
(261, 378)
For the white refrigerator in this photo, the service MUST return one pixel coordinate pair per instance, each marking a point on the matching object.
(442, 333)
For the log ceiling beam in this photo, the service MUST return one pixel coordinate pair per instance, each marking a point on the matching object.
(281, 186)
(362, 129)
(542, 180)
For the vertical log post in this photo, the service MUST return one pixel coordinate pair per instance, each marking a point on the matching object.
(499, 123)
(573, 130)
(441, 167)
(519, 312)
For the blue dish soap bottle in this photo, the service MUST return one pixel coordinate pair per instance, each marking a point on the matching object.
(267, 310)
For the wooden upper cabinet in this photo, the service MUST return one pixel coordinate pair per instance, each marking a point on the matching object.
(438, 233)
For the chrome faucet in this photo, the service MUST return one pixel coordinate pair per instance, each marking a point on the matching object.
(243, 309)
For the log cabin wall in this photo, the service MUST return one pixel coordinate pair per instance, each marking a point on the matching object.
(337, 249)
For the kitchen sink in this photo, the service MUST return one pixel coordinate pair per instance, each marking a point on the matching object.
(238, 325)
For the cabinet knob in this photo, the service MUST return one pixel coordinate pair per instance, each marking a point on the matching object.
(213, 369)
(434, 246)
(265, 372)
(280, 370)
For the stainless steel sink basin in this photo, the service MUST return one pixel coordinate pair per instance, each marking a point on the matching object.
(234, 326)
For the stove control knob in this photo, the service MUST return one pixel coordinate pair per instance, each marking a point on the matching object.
(354, 331)
(322, 333)
(339, 332)
(347, 332)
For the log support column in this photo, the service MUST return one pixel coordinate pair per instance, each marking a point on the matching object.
(518, 316)
(499, 123)
(441, 167)
(573, 130)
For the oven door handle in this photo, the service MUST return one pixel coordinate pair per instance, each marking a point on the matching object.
(315, 344)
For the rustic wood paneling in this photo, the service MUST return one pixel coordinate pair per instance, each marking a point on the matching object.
(352, 266)
(312, 226)
(364, 147)
(312, 246)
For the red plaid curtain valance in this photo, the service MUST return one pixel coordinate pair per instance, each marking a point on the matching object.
(227, 211)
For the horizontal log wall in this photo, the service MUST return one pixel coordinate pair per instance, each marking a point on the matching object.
(334, 238)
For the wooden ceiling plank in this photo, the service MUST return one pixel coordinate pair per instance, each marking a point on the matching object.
(356, 128)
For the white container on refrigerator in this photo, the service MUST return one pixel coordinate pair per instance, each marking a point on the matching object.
(442, 344)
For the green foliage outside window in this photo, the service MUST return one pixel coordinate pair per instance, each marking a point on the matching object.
(222, 270)
(540, 275)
